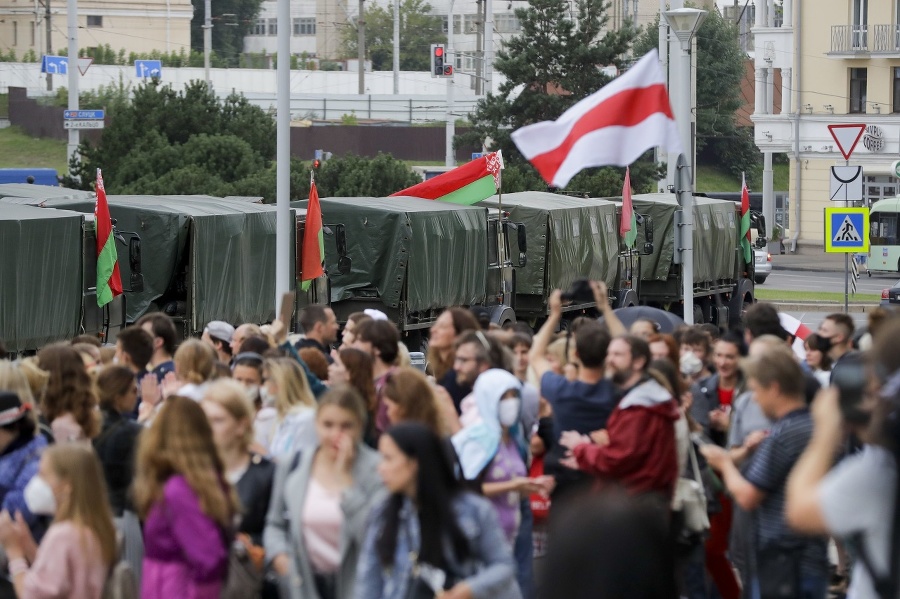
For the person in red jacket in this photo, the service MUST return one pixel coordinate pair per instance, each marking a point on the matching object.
(637, 449)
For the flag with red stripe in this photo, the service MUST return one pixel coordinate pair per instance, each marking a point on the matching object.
(745, 221)
(109, 281)
(613, 126)
(313, 248)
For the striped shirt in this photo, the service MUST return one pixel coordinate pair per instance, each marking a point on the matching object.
(768, 471)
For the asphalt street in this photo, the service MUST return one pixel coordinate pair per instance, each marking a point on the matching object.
(812, 319)
(795, 280)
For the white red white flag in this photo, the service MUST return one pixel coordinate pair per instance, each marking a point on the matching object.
(612, 126)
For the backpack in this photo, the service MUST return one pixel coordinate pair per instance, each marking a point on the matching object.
(121, 582)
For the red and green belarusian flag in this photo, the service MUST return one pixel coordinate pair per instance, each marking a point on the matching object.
(467, 184)
(313, 248)
(628, 224)
(745, 221)
(109, 281)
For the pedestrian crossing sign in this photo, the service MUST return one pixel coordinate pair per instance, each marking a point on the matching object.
(847, 230)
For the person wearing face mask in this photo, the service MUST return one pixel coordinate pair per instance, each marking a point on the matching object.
(320, 504)
(19, 457)
(79, 549)
(836, 338)
(491, 448)
(286, 422)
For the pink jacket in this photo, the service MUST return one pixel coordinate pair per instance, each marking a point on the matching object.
(68, 564)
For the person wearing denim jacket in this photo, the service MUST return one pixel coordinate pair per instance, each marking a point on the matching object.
(486, 572)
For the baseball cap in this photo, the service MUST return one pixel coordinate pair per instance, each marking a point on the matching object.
(220, 330)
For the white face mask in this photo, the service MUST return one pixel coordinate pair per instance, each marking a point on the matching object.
(252, 392)
(39, 497)
(267, 397)
(509, 411)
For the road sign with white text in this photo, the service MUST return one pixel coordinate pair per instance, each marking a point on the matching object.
(55, 65)
(91, 124)
(846, 137)
(846, 230)
(79, 115)
(148, 68)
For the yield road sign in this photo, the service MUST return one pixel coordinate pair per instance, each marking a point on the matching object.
(55, 65)
(846, 137)
(846, 184)
(80, 115)
(846, 230)
(148, 68)
(84, 64)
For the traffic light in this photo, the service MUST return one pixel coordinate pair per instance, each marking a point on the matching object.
(441, 65)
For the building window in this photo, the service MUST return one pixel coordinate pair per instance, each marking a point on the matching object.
(33, 29)
(305, 26)
(858, 91)
(273, 26)
(506, 23)
(896, 89)
(94, 21)
(260, 27)
(471, 24)
(445, 28)
(15, 33)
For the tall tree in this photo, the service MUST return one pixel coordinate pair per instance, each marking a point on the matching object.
(418, 30)
(232, 20)
(720, 71)
(556, 60)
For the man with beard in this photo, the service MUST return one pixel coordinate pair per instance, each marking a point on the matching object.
(637, 450)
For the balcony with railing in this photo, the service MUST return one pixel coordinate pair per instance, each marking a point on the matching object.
(862, 41)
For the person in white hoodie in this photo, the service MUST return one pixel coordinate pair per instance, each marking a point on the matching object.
(286, 421)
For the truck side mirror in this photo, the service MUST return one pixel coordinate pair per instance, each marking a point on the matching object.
(648, 235)
(134, 262)
(340, 241)
(522, 238)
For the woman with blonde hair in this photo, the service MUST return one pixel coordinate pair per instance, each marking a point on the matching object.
(287, 421)
(181, 494)
(69, 403)
(195, 365)
(79, 549)
(410, 398)
(320, 503)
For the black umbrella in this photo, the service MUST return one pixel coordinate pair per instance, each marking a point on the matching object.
(667, 321)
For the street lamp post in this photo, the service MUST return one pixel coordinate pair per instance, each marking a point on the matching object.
(684, 22)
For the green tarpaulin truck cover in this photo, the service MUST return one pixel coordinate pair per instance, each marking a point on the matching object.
(437, 250)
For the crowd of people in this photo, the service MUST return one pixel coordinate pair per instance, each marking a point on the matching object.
(586, 459)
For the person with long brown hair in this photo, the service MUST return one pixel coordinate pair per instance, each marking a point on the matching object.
(354, 367)
(117, 441)
(79, 549)
(187, 506)
(410, 398)
(329, 490)
(449, 325)
(69, 403)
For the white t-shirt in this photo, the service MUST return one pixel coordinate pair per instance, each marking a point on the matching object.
(857, 497)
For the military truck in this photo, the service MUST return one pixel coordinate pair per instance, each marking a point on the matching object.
(723, 281)
(412, 258)
(570, 238)
(48, 276)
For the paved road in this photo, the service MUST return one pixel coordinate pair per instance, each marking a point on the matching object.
(795, 280)
(812, 319)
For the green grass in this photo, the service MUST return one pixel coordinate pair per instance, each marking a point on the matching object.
(19, 150)
(774, 295)
(710, 178)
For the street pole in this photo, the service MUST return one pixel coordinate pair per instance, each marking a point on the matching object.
(361, 46)
(207, 39)
(283, 154)
(488, 46)
(396, 47)
(449, 158)
(72, 69)
(49, 41)
(663, 43)
(674, 82)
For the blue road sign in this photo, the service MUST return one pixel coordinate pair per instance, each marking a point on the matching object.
(148, 68)
(96, 115)
(476, 155)
(847, 230)
(55, 65)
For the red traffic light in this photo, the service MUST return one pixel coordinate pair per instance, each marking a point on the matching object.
(439, 51)
(316, 164)
(448, 70)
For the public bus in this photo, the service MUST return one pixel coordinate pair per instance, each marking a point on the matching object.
(884, 244)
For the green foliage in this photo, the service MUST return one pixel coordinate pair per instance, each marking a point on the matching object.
(552, 64)
(8, 55)
(418, 30)
(720, 70)
(232, 20)
(353, 176)
(349, 119)
(161, 140)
